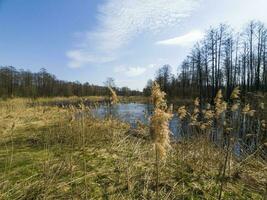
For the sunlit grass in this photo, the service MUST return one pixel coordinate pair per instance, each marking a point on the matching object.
(46, 153)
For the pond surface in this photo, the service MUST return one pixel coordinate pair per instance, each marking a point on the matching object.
(132, 113)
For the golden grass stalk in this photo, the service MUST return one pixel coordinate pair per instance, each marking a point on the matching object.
(195, 114)
(159, 124)
(208, 117)
(158, 97)
(159, 128)
(196, 102)
(235, 94)
(160, 132)
(248, 111)
(114, 98)
(220, 105)
(182, 113)
(235, 107)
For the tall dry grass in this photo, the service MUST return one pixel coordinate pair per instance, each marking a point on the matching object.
(159, 128)
(66, 153)
(235, 127)
(113, 98)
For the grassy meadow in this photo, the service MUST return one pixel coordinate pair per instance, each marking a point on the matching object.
(47, 152)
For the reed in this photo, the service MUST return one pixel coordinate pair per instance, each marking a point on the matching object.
(66, 153)
(159, 128)
(227, 124)
(113, 98)
(228, 134)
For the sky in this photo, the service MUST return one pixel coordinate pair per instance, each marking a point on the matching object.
(90, 40)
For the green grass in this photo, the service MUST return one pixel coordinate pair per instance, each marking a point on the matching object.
(48, 156)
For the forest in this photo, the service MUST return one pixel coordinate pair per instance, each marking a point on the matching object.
(21, 83)
(224, 59)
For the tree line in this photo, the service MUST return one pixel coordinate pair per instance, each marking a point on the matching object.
(21, 83)
(223, 59)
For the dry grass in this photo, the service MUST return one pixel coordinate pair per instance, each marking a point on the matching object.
(113, 97)
(54, 153)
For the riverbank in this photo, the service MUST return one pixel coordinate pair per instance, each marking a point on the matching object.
(75, 100)
(47, 153)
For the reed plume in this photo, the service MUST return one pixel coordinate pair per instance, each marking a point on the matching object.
(194, 116)
(208, 118)
(235, 94)
(248, 111)
(220, 105)
(158, 97)
(228, 130)
(159, 128)
(159, 124)
(235, 97)
(113, 98)
(182, 113)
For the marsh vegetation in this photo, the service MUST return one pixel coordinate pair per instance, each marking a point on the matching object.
(64, 152)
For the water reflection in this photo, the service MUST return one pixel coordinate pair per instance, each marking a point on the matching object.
(133, 112)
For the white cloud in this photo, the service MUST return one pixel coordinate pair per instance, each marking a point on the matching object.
(79, 58)
(119, 22)
(133, 71)
(183, 40)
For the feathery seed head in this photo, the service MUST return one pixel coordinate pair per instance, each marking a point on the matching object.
(196, 110)
(182, 112)
(235, 107)
(159, 124)
(218, 97)
(209, 114)
(246, 109)
(158, 97)
(114, 98)
(224, 106)
(203, 127)
(196, 102)
(220, 105)
(235, 94)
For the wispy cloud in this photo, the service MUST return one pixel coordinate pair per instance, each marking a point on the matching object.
(133, 71)
(79, 57)
(119, 22)
(183, 40)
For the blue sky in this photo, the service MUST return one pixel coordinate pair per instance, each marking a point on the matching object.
(90, 40)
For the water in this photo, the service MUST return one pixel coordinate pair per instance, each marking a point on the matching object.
(132, 113)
